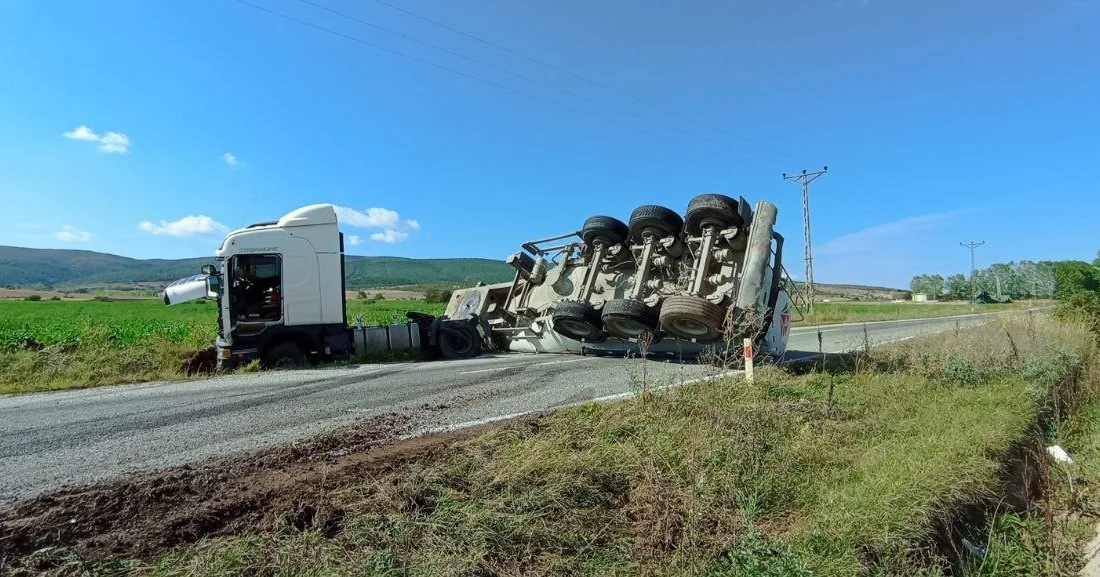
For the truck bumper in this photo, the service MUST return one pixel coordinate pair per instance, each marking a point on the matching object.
(229, 358)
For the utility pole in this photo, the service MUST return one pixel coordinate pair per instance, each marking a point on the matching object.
(805, 179)
(972, 246)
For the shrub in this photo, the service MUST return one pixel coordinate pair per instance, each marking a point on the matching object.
(379, 296)
(32, 298)
(1083, 307)
(1072, 278)
(434, 295)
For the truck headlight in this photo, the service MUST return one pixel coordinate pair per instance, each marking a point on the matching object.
(223, 353)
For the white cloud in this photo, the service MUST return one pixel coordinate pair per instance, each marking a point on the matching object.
(110, 143)
(71, 234)
(230, 159)
(186, 226)
(354, 240)
(371, 218)
(390, 236)
(114, 142)
(81, 133)
(395, 228)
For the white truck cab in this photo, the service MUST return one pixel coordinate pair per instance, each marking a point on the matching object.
(280, 290)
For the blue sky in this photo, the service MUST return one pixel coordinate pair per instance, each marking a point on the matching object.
(940, 122)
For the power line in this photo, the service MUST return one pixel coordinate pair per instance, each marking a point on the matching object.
(473, 77)
(972, 246)
(805, 179)
(511, 72)
(583, 79)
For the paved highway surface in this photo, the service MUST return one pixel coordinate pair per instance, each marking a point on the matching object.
(48, 440)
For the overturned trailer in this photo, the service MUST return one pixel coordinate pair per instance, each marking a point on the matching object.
(659, 282)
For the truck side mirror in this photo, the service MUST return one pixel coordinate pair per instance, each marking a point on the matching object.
(208, 269)
(213, 286)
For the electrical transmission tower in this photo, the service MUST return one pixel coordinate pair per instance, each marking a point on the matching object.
(805, 179)
(972, 246)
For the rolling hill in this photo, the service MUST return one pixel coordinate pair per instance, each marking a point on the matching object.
(25, 267)
(72, 269)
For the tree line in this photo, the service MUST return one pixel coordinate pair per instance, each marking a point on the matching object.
(1017, 280)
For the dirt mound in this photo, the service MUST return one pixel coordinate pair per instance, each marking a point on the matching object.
(145, 515)
(201, 362)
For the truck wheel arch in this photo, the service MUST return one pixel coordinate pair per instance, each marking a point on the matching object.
(297, 339)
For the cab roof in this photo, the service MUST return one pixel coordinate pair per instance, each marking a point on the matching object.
(309, 215)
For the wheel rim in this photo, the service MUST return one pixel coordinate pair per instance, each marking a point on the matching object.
(623, 326)
(576, 327)
(285, 363)
(690, 327)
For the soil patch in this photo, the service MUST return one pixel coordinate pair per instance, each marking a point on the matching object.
(202, 362)
(145, 515)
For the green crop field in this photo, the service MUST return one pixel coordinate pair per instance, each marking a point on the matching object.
(856, 312)
(64, 344)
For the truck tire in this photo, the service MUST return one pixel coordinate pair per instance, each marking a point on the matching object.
(658, 220)
(692, 318)
(629, 319)
(711, 210)
(609, 229)
(579, 321)
(459, 340)
(285, 355)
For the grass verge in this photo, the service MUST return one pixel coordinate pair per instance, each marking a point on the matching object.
(835, 313)
(863, 465)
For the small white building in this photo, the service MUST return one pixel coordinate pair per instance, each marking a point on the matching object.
(920, 298)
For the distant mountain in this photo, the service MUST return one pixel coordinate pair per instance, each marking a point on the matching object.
(24, 267)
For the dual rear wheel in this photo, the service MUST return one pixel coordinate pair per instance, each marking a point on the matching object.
(621, 318)
(692, 318)
(682, 316)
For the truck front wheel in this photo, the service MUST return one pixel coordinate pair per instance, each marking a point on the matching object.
(284, 356)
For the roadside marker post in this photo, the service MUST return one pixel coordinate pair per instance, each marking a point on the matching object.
(748, 361)
(820, 350)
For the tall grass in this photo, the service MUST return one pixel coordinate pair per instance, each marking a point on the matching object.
(721, 478)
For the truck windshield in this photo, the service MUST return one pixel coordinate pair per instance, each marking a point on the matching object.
(255, 287)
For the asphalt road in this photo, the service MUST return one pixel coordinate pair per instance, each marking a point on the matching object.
(48, 440)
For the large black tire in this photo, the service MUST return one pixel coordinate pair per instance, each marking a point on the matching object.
(692, 318)
(608, 229)
(711, 210)
(578, 321)
(630, 319)
(287, 355)
(656, 220)
(459, 340)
